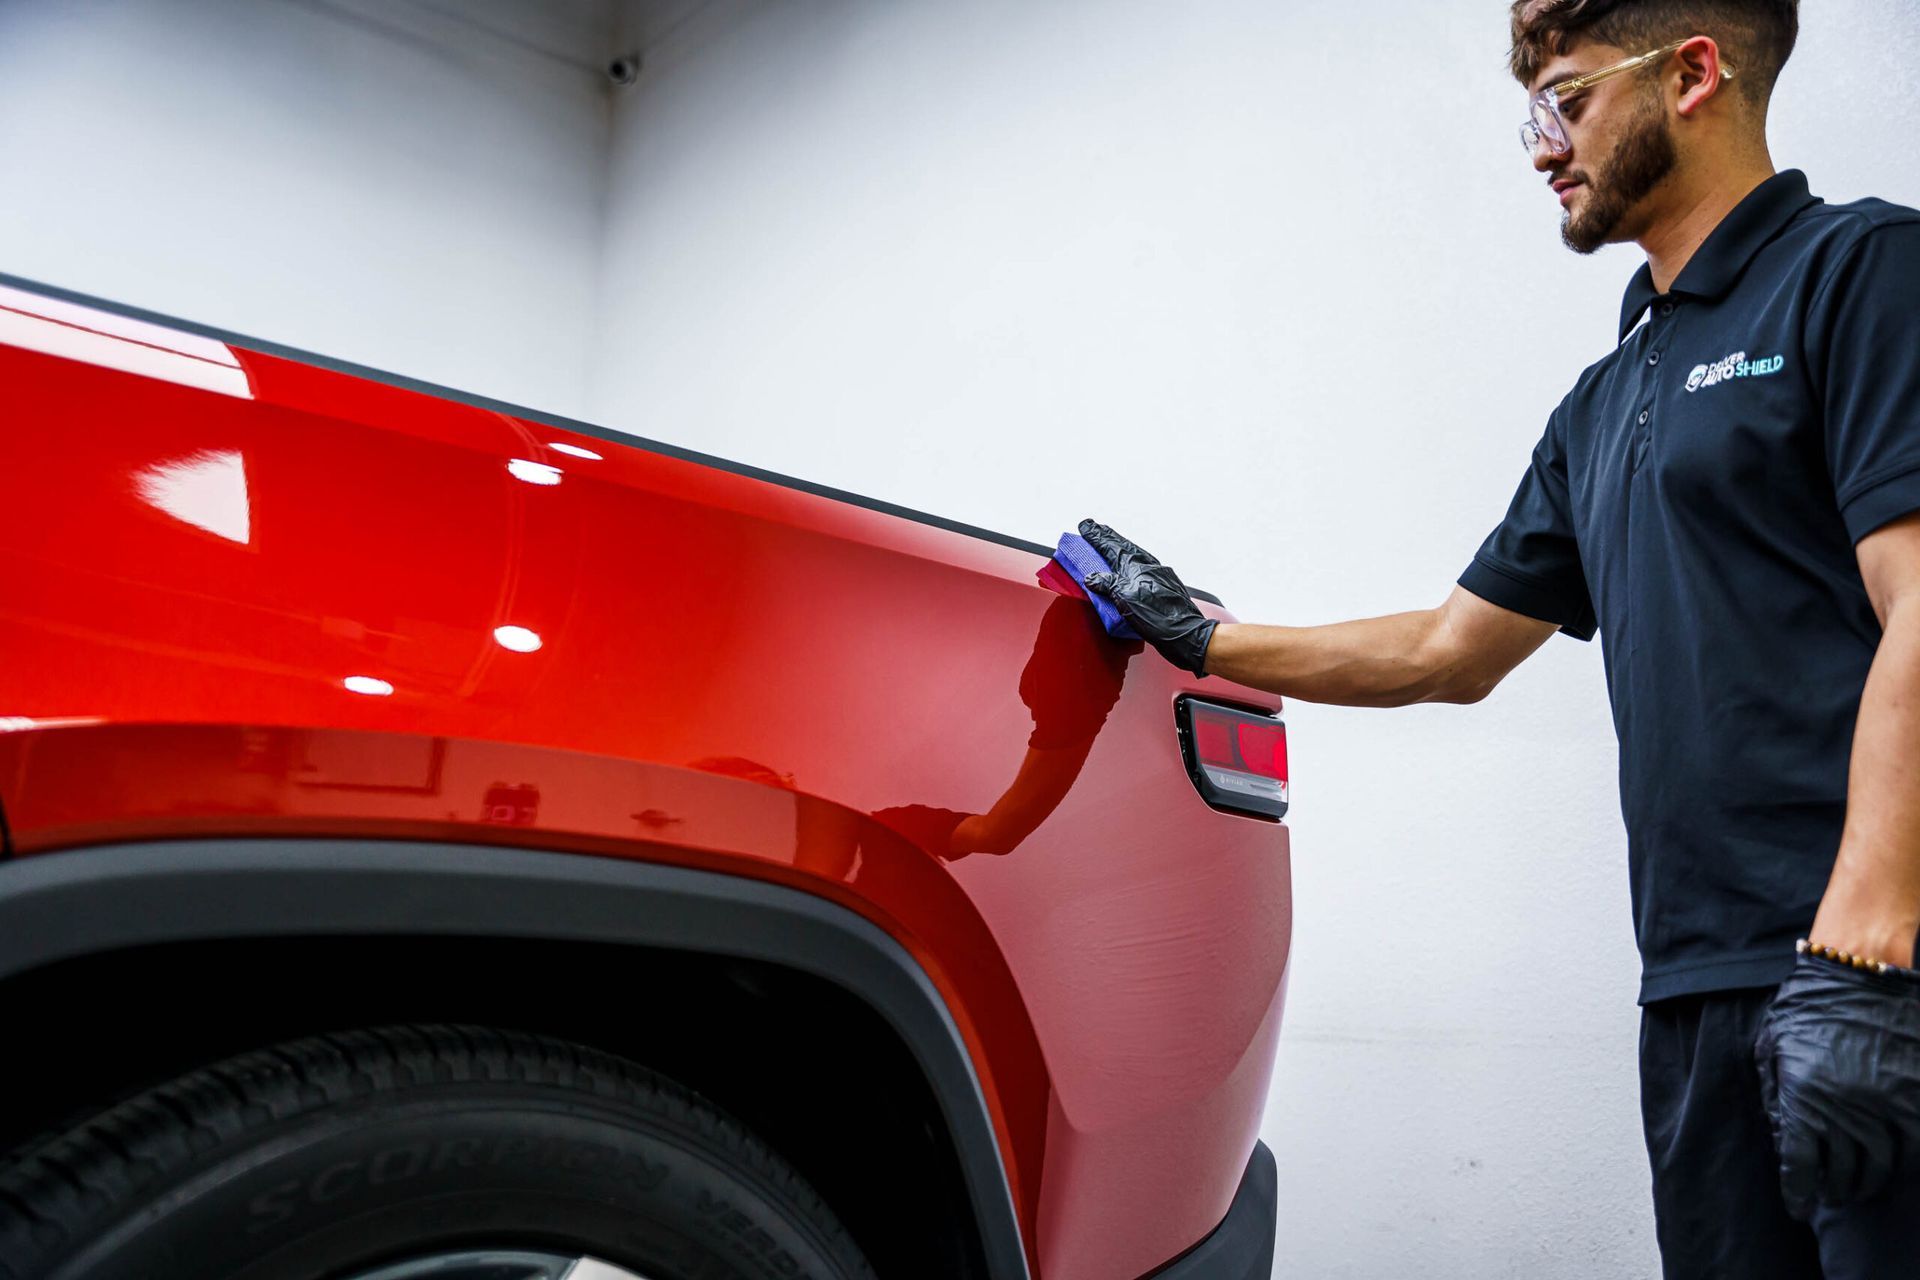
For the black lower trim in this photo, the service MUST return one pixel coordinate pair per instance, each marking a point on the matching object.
(60, 906)
(1241, 1247)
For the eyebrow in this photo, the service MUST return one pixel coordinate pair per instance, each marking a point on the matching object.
(1543, 82)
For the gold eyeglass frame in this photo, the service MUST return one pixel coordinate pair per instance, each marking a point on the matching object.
(1533, 132)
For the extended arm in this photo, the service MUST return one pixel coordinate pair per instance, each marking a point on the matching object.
(1455, 653)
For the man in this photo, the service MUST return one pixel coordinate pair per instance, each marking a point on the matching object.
(1732, 498)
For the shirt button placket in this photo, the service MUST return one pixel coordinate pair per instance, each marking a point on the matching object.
(1657, 336)
(1658, 333)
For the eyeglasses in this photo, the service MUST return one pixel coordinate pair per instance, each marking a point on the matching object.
(1545, 123)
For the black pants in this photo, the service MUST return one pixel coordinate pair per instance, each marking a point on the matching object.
(1716, 1181)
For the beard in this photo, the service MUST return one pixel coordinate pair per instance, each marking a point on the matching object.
(1639, 162)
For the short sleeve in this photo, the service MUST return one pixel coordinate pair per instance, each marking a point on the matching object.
(1530, 563)
(1863, 340)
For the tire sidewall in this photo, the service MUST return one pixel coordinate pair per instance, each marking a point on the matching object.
(460, 1166)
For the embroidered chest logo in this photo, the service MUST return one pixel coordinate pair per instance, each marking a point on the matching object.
(1734, 366)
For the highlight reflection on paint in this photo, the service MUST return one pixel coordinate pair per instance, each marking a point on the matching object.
(207, 490)
(573, 449)
(533, 472)
(73, 332)
(372, 686)
(518, 639)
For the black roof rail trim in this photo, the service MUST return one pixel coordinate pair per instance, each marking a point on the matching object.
(59, 906)
(608, 434)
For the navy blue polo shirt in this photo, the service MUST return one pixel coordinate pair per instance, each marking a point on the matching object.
(1696, 499)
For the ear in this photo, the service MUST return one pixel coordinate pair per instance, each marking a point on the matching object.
(1700, 76)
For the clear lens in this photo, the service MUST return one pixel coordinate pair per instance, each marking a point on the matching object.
(1546, 124)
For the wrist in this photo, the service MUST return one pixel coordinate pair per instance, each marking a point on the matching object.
(1206, 632)
(1218, 642)
(1850, 960)
(1874, 890)
(1866, 930)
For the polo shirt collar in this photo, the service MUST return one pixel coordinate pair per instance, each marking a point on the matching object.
(1717, 264)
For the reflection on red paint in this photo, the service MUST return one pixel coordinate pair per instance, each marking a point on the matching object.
(511, 806)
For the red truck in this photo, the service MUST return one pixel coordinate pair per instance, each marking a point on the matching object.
(442, 839)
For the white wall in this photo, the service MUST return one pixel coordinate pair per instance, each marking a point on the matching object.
(412, 185)
(1272, 288)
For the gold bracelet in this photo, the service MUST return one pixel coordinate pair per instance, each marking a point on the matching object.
(1838, 956)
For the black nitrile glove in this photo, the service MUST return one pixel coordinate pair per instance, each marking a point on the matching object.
(1839, 1059)
(1151, 596)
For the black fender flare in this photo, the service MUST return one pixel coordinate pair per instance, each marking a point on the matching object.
(62, 906)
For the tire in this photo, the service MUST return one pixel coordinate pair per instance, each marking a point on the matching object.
(345, 1155)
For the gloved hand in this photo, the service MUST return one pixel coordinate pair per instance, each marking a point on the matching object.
(1839, 1058)
(1151, 596)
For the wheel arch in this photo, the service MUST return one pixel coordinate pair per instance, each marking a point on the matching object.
(583, 920)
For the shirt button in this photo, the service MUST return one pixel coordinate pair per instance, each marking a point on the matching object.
(1666, 308)
(1654, 358)
(1644, 415)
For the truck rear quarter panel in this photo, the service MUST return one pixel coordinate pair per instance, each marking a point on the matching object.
(730, 672)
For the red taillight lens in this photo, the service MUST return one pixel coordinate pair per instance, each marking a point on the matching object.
(1264, 749)
(1236, 756)
(1213, 737)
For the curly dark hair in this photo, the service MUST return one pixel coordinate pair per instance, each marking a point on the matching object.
(1756, 36)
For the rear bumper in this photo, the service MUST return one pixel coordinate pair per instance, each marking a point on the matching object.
(1241, 1247)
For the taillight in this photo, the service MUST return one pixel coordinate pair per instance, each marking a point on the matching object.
(1236, 756)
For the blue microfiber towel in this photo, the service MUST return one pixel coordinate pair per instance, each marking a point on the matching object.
(1077, 556)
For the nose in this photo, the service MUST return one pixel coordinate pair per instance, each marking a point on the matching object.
(1543, 157)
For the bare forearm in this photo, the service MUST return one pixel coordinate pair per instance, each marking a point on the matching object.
(1872, 904)
(1373, 662)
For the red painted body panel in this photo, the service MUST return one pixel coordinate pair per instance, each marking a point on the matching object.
(730, 673)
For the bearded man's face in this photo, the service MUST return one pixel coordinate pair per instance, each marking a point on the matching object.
(1638, 161)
